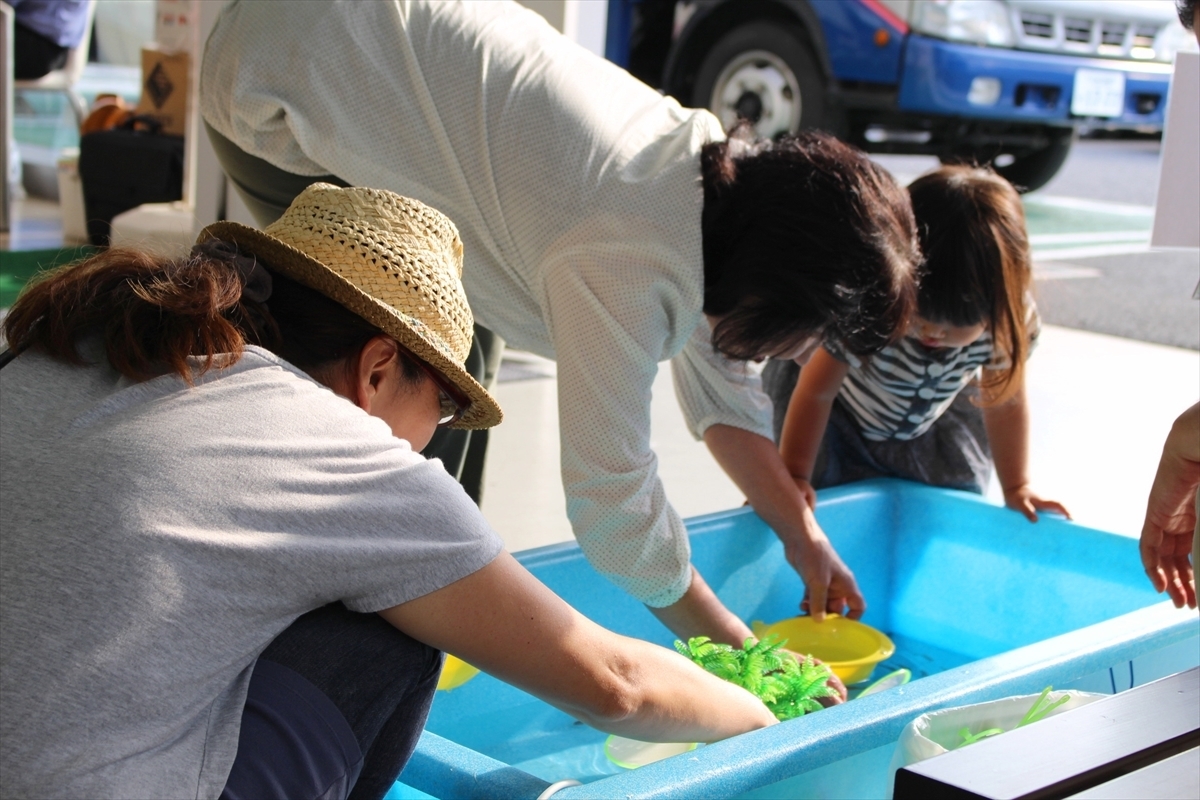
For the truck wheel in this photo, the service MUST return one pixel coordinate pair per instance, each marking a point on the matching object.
(1032, 170)
(763, 73)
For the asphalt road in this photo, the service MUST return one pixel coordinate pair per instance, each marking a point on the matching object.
(1136, 295)
(1144, 296)
(1112, 170)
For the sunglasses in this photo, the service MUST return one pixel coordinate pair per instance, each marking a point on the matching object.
(452, 403)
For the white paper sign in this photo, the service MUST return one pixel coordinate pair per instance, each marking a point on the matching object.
(1098, 93)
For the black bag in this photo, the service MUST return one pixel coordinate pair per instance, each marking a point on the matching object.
(124, 167)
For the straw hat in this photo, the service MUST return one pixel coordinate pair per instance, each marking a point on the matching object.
(395, 262)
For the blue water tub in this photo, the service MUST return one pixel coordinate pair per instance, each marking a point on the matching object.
(981, 604)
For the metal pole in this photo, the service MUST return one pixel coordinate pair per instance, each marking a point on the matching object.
(6, 113)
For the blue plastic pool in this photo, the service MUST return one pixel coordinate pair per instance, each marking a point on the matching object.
(980, 603)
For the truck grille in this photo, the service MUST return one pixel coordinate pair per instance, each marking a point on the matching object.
(1113, 34)
(1082, 34)
(1037, 25)
(1077, 30)
(1143, 36)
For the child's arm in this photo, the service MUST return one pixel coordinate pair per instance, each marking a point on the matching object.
(807, 416)
(1008, 432)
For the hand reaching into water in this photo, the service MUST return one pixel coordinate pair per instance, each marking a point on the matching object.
(822, 570)
(787, 506)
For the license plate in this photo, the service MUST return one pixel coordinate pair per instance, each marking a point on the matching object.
(1098, 93)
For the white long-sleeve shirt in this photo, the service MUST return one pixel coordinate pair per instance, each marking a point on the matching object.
(577, 192)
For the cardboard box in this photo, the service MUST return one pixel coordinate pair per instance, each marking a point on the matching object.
(165, 89)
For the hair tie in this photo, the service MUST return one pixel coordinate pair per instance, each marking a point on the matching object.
(256, 280)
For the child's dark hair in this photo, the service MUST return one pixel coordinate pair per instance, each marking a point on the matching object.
(804, 235)
(157, 315)
(977, 263)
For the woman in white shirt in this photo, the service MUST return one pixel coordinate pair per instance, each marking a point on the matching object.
(204, 462)
(606, 227)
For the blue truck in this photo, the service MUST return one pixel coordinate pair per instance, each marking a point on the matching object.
(1004, 82)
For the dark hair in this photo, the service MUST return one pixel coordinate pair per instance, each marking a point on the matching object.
(155, 314)
(1187, 12)
(977, 263)
(802, 235)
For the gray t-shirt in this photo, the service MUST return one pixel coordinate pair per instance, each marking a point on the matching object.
(155, 538)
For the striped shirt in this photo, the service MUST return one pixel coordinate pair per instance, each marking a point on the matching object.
(899, 392)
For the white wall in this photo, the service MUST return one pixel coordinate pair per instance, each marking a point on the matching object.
(584, 21)
(1178, 207)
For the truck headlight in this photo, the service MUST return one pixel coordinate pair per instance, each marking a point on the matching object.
(975, 21)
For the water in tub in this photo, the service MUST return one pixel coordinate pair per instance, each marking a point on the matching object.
(510, 726)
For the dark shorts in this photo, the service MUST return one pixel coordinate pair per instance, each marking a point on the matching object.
(294, 741)
(34, 55)
(335, 708)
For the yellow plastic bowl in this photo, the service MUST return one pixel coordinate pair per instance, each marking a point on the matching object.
(850, 648)
(455, 672)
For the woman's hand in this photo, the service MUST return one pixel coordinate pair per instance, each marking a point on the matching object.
(829, 585)
(1171, 513)
(842, 589)
(825, 567)
(757, 469)
(834, 681)
(1022, 498)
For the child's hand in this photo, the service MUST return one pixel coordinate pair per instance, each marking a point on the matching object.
(1023, 499)
(806, 489)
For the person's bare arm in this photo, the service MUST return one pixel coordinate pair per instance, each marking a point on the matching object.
(506, 622)
(1007, 427)
(755, 466)
(1170, 520)
(701, 613)
(808, 414)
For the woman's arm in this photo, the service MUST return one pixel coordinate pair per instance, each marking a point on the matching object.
(1008, 433)
(701, 613)
(808, 414)
(1171, 512)
(755, 466)
(506, 622)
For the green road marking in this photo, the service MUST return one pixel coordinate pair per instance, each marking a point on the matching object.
(1051, 216)
(1064, 227)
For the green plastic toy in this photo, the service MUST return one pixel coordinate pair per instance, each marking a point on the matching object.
(1036, 712)
(788, 686)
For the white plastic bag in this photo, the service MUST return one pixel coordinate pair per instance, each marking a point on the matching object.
(939, 732)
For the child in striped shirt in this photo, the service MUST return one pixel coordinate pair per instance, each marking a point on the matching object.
(927, 407)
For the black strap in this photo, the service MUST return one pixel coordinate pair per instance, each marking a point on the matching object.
(141, 123)
(5, 357)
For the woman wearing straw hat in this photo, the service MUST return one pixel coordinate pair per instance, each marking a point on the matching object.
(606, 228)
(199, 456)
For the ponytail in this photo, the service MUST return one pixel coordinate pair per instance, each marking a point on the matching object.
(152, 313)
(159, 315)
